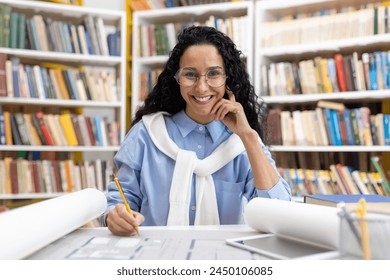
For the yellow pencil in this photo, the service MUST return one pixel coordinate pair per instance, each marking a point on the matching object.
(361, 212)
(125, 201)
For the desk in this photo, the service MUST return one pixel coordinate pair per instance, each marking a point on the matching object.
(157, 243)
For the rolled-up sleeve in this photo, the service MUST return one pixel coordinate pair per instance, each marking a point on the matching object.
(280, 191)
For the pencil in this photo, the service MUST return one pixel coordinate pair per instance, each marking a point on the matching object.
(125, 201)
(361, 212)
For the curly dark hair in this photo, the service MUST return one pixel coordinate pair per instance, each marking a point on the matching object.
(165, 95)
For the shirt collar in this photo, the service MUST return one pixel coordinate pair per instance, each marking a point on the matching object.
(185, 125)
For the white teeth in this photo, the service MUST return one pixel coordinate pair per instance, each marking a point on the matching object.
(202, 99)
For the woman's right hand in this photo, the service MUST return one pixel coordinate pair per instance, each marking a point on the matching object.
(121, 223)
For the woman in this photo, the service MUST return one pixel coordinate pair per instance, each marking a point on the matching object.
(195, 154)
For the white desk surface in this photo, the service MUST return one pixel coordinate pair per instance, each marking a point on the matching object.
(181, 243)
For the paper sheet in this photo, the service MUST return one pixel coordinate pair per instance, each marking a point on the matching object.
(307, 222)
(154, 243)
(27, 229)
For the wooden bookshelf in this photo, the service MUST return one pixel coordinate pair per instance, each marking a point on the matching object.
(102, 60)
(289, 32)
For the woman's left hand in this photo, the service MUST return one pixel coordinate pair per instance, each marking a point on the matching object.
(231, 114)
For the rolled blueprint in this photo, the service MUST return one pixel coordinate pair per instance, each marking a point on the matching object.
(307, 222)
(27, 229)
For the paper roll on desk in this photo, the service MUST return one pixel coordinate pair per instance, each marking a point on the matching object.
(307, 222)
(27, 229)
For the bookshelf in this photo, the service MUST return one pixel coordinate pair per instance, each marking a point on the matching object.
(289, 32)
(146, 63)
(97, 105)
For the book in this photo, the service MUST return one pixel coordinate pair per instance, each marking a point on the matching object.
(331, 105)
(31, 82)
(14, 177)
(53, 129)
(355, 128)
(38, 129)
(375, 160)
(3, 77)
(333, 126)
(372, 178)
(57, 187)
(348, 73)
(82, 39)
(3, 175)
(342, 128)
(5, 12)
(21, 40)
(68, 165)
(358, 66)
(61, 83)
(36, 178)
(298, 128)
(342, 82)
(24, 87)
(68, 128)
(21, 126)
(3, 140)
(359, 182)
(375, 202)
(366, 70)
(345, 173)
(273, 121)
(15, 61)
(39, 82)
(101, 36)
(326, 80)
(337, 130)
(60, 130)
(113, 42)
(340, 185)
(84, 130)
(365, 117)
(77, 129)
(7, 127)
(62, 171)
(91, 131)
(319, 115)
(9, 78)
(90, 28)
(346, 116)
(13, 27)
(16, 139)
(48, 139)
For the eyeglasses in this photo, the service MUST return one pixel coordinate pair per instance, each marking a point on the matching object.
(187, 77)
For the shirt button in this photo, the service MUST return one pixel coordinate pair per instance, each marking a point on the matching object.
(200, 128)
(199, 146)
(193, 208)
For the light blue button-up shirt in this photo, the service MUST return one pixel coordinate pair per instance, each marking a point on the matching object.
(145, 173)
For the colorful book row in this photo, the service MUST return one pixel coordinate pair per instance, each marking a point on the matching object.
(339, 179)
(363, 19)
(67, 129)
(22, 176)
(324, 126)
(159, 39)
(339, 73)
(56, 81)
(18, 30)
